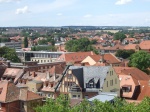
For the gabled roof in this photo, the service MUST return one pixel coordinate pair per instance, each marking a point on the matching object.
(75, 57)
(130, 46)
(58, 69)
(32, 96)
(109, 58)
(133, 72)
(93, 72)
(9, 93)
(145, 45)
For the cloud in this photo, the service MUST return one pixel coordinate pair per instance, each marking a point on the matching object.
(2, 1)
(88, 16)
(59, 14)
(22, 10)
(55, 5)
(122, 2)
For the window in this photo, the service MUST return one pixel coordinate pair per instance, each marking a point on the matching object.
(78, 96)
(74, 96)
(32, 89)
(69, 76)
(107, 83)
(116, 81)
(126, 89)
(111, 82)
(49, 95)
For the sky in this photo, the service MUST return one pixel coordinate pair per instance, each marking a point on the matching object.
(74, 12)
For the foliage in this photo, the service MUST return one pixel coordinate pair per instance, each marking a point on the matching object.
(94, 41)
(9, 53)
(43, 48)
(141, 60)
(82, 44)
(124, 53)
(61, 104)
(4, 39)
(25, 42)
(42, 42)
(119, 36)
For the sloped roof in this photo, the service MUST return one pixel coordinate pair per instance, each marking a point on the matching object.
(58, 69)
(130, 47)
(9, 92)
(145, 92)
(32, 96)
(75, 57)
(93, 72)
(145, 44)
(132, 71)
(109, 58)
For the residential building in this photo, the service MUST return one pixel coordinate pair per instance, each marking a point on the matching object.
(14, 45)
(87, 81)
(74, 58)
(132, 81)
(17, 99)
(102, 60)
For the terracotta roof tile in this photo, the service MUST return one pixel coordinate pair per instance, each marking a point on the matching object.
(75, 57)
(145, 45)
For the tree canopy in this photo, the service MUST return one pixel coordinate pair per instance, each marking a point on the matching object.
(124, 53)
(9, 54)
(83, 44)
(25, 42)
(141, 60)
(119, 36)
(61, 104)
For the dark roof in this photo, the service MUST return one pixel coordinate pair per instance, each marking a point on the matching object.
(78, 73)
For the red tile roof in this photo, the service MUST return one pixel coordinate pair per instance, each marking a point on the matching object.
(145, 45)
(75, 57)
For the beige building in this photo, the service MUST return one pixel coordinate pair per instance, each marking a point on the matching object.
(42, 60)
(88, 81)
(102, 60)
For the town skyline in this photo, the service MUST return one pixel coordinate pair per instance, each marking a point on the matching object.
(74, 13)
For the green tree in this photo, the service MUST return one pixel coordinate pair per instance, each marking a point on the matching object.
(60, 104)
(9, 53)
(119, 36)
(124, 53)
(25, 42)
(140, 60)
(42, 42)
(83, 44)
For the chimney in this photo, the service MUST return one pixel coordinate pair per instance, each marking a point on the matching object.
(47, 75)
(33, 74)
(54, 76)
(44, 85)
(8, 63)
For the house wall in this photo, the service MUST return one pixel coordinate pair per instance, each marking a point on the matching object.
(29, 105)
(111, 82)
(41, 60)
(10, 107)
(89, 60)
(65, 87)
(34, 87)
(127, 80)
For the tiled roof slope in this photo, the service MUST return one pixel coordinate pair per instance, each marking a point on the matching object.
(96, 72)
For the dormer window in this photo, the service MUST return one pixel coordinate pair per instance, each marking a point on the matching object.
(126, 88)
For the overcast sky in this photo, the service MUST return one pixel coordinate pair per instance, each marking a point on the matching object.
(74, 12)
